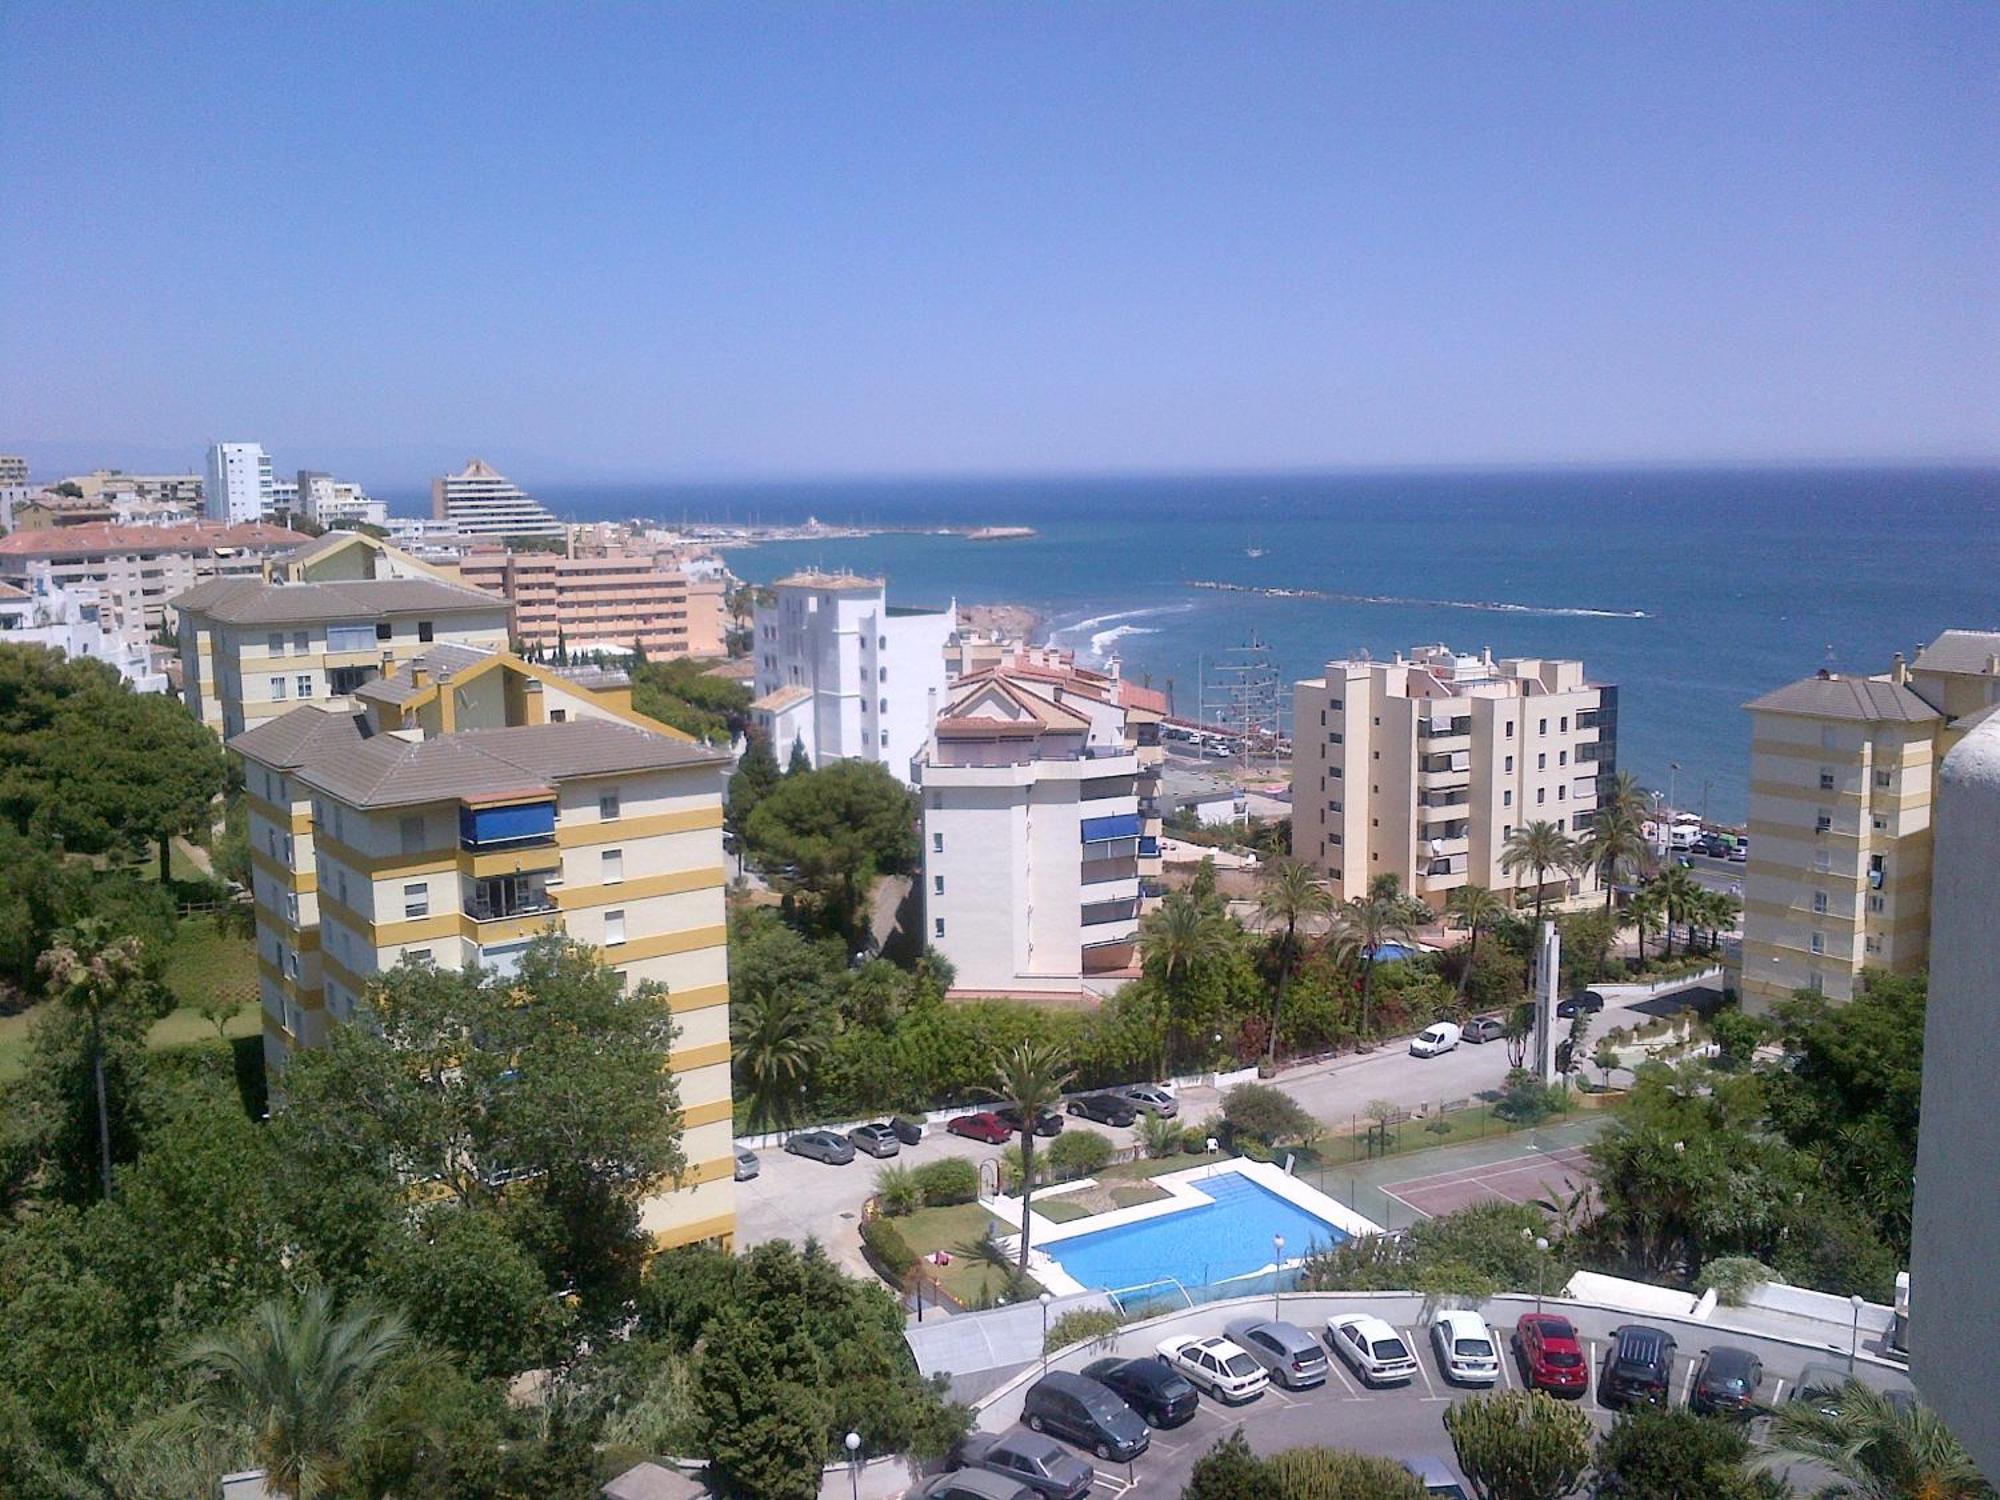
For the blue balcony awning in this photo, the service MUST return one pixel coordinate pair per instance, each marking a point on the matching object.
(1118, 826)
(479, 827)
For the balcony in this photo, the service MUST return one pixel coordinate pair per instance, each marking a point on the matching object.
(1151, 889)
(508, 896)
(1149, 807)
(1444, 729)
(1149, 847)
(1097, 913)
(519, 825)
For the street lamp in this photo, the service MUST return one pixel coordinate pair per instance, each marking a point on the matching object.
(1541, 1268)
(854, 1464)
(1277, 1261)
(1045, 1299)
(1854, 1340)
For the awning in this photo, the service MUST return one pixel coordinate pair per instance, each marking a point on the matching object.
(1118, 826)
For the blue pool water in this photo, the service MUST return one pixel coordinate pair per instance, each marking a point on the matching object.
(1229, 1237)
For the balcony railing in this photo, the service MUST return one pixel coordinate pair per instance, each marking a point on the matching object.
(1096, 913)
(1151, 889)
(485, 908)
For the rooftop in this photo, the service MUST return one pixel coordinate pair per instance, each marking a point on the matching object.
(809, 578)
(1831, 695)
(1968, 651)
(195, 536)
(251, 601)
(781, 698)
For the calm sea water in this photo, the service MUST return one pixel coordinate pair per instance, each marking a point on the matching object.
(1694, 590)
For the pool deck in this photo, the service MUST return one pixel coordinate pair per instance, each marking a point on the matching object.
(1046, 1237)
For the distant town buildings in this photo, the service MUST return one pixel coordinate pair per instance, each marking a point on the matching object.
(115, 487)
(483, 502)
(73, 622)
(329, 502)
(239, 486)
(611, 603)
(845, 675)
(1041, 832)
(13, 469)
(1423, 767)
(463, 804)
(317, 626)
(1843, 779)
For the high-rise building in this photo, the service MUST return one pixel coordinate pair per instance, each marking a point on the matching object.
(13, 470)
(326, 501)
(1423, 766)
(607, 603)
(481, 501)
(238, 486)
(465, 804)
(845, 675)
(1843, 773)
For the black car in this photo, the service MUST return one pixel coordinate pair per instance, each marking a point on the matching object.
(1106, 1109)
(1727, 1382)
(1639, 1366)
(1047, 1121)
(908, 1131)
(1079, 1410)
(1589, 1002)
(1031, 1459)
(1715, 846)
(1155, 1392)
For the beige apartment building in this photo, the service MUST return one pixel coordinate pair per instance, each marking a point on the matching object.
(1422, 766)
(1843, 779)
(466, 803)
(317, 625)
(612, 603)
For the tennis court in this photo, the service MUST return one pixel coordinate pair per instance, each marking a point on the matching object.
(1516, 1179)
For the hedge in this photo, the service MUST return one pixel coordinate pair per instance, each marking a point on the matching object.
(891, 1251)
(943, 1183)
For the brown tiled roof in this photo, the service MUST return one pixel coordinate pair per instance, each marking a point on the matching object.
(441, 662)
(196, 536)
(1873, 700)
(1969, 651)
(781, 698)
(294, 739)
(251, 601)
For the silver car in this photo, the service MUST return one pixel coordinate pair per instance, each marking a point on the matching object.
(747, 1165)
(1292, 1355)
(1153, 1099)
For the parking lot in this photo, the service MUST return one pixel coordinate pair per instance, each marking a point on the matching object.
(1401, 1422)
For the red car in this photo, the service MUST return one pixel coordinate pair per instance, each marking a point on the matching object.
(985, 1126)
(1550, 1357)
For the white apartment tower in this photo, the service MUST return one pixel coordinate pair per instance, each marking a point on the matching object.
(480, 501)
(1423, 766)
(845, 675)
(326, 501)
(239, 485)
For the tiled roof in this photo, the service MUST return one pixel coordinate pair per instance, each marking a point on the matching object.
(1969, 651)
(779, 699)
(1873, 700)
(812, 579)
(199, 536)
(294, 739)
(1044, 713)
(441, 663)
(251, 601)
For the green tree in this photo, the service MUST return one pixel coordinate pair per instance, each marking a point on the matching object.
(777, 1045)
(1229, 1471)
(1031, 1077)
(1361, 928)
(93, 974)
(1670, 1453)
(1330, 1474)
(1259, 1112)
(1180, 938)
(1475, 908)
(1519, 1445)
(755, 778)
(1880, 1451)
(467, 1286)
(1290, 892)
(1616, 848)
(1540, 847)
(764, 1406)
(832, 832)
(1679, 895)
(800, 764)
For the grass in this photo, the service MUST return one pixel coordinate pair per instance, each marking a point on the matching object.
(932, 1229)
(1459, 1126)
(1148, 1167)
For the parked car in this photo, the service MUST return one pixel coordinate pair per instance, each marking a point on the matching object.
(1821, 1385)
(877, 1140)
(1466, 1353)
(970, 1484)
(1151, 1099)
(1151, 1389)
(908, 1131)
(1483, 1029)
(1639, 1366)
(984, 1126)
(747, 1165)
(1437, 1477)
(821, 1145)
(1047, 1121)
(1079, 1410)
(1106, 1109)
(1372, 1349)
(1727, 1382)
(1031, 1459)
(1435, 1039)
(1587, 1001)
(1740, 852)
(1217, 1366)
(1549, 1355)
(1292, 1355)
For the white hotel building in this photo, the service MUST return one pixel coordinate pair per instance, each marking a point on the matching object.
(239, 486)
(481, 501)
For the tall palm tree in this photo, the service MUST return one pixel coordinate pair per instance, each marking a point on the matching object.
(1361, 927)
(1649, 914)
(1616, 846)
(1031, 1078)
(1179, 937)
(91, 972)
(777, 1043)
(1291, 892)
(1541, 847)
(1475, 908)
(1624, 796)
(1881, 1451)
(1679, 893)
(311, 1382)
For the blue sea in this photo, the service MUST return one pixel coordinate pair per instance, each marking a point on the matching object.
(1692, 589)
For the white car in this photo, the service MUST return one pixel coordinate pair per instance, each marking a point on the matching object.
(1374, 1350)
(1225, 1371)
(1464, 1346)
(1434, 1040)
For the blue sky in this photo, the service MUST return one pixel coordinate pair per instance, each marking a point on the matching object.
(743, 240)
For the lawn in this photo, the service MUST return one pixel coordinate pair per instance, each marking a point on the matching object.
(932, 1229)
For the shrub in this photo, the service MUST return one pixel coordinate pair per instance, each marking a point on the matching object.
(1259, 1112)
(1730, 1276)
(892, 1253)
(896, 1191)
(1161, 1136)
(1078, 1153)
(1528, 1101)
(943, 1183)
(1331, 1474)
(1010, 1168)
(1083, 1325)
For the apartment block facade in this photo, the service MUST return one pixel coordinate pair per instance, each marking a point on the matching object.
(330, 502)
(843, 673)
(612, 603)
(1843, 783)
(468, 803)
(138, 570)
(238, 486)
(481, 501)
(1423, 766)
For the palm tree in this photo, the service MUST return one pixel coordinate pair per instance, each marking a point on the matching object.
(1361, 927)
(777, 1045)
(1179, 937)
(91, 972)
(1616, 846)
(1031, 1078)
(1883, 1452)
(312, 1384)
(1678, 893)
(1475, 907)
(1649, 913)
(1624, 796)
(1292, 892)
(1540, 847)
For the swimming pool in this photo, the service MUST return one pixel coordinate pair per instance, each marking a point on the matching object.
(1194, 1246)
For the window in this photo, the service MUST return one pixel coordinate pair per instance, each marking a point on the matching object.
(885, 739)
(1541, 795)
(292, 908)
(349, 638)
(558, 716)
(1822, 821)
(1542, 761)
(301, 641)
(1333, 807)
(881, 674)
(1816, 982)
(937, 885)
(417, 955)
(1819, 902)
(1510, 765)
(278, 689)
(1333, 738)
(1334, 702)
(1507, 799)
(1819, 942)
(1881, 825)
(937, 843)
(424, 630)
(1822, 861)
(303, 685)
(1335, 772)
(1542, 727)
(1334, 838)
(1506, 831)
(607, 806)
(1562, 757)
(1510, 729)
(383, 630)
(1883, 779)
(410, 833)
(276, 643)
(614, 928)
(612, 863)
(1825, 780)
(1565, 723)
(1878, 903)
(416, 900)
(937, 927)
(885, 705)
(1872, 943)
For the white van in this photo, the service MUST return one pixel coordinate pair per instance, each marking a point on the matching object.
(1439, 1037)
